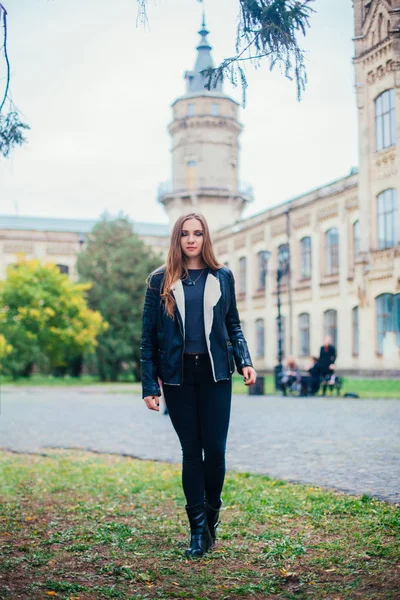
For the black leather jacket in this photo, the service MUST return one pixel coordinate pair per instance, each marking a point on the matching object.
(162, 343)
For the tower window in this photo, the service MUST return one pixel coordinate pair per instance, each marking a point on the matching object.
(215, 109)
(191, 110)
(385, 120)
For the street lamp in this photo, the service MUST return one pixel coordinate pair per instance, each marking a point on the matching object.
(282, 270)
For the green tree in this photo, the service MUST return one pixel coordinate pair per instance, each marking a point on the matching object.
(116, 261)
(44, 317)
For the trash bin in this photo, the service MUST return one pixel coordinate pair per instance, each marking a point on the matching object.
(258, 388)
(278, 376)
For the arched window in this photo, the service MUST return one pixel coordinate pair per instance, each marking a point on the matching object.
(387, 219)
(262, 263)
(355, 329)
(356, 239)
(260, 338)
(385, 120)
(242, 275)
(387, 317)
(63, 269)
(332, 251)
(330, 325)
(304, 334)
(283, 261)
(305, 258)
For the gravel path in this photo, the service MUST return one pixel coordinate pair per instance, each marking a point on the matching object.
(347, 444)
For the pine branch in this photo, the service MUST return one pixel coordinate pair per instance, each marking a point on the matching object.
(267, 30)
(11, 126)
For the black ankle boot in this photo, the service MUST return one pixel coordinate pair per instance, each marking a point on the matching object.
(212, 515)
(200, 537)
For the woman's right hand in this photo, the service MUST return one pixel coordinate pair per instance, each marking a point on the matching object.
(152, 402)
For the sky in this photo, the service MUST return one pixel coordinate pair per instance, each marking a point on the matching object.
(96, 89)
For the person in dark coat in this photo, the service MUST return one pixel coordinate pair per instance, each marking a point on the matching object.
(310, 383)
(191, 341)
(327, 357)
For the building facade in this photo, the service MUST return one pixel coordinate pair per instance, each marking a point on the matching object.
(341, 241)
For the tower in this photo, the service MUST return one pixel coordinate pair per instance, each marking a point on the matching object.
(377, 79)
(205, 150)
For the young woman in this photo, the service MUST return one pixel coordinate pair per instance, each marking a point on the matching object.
(191, 340)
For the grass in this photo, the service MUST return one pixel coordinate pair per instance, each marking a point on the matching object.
(76, 525)
(365, 388)
(50, 380)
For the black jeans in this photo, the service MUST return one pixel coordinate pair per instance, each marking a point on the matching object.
(200, 411)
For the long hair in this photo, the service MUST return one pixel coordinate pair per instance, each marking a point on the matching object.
(175, 265)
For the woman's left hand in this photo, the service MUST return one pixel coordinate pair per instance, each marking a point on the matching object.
(249, 375)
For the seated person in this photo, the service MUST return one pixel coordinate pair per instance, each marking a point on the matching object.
(290, 375)
(311, 381)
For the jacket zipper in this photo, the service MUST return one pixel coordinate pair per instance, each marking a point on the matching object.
(183, 349)
(222, 326)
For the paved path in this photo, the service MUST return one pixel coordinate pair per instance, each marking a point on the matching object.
(351, 445)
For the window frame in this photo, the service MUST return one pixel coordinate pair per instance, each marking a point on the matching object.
(305, 258)
(304, 332)
(388, 319)
(262, 270)
(387, 219)
(385, 120)
(260, 338)
(331, 329)
(242, 275)
(331, 251)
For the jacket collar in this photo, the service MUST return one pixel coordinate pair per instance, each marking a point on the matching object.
(212, 293)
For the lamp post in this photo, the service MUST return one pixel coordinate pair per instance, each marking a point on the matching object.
(282, 270)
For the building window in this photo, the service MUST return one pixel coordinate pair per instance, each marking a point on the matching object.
(385, 120)
(356, 239)
(304, 334)
(332, 251)
(215, 109)
(283, 259)
(330, 325)
(387, 219)
(191, 163)
(242, 275)
(260, 338)
(262, 263)
(305, 258)
(387, 317)
(355, 328)
(63, 269)
(191, 110)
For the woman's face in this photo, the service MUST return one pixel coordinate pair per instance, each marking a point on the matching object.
(192, 238)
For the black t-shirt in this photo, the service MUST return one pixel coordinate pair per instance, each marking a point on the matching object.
(195, 338)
